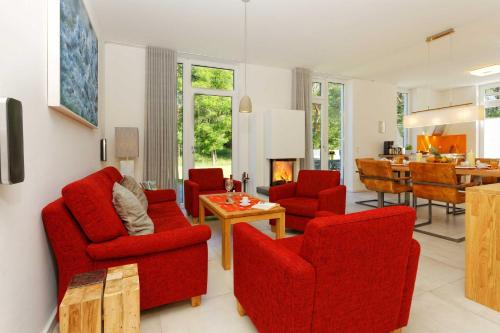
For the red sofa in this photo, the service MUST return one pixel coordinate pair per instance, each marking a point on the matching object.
(204, 181)
(314, 191)
(86, 234)
(347, 273)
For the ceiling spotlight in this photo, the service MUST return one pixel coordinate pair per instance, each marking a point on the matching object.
(485, 71)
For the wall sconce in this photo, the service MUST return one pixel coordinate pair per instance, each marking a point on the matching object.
(104, 149)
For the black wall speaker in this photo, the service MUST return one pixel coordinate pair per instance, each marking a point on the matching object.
(11, 141)
(104, 150)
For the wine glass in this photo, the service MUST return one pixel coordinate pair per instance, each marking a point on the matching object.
(229, 185)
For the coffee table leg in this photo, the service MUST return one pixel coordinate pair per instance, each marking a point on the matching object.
(280, 226)
(201, 214)
(226, 244)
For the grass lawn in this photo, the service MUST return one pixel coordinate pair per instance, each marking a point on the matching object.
(222, 162)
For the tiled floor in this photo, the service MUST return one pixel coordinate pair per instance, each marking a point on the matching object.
(438, 304)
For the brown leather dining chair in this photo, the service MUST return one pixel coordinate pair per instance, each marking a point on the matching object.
(494, 164)
(378, 176)
(436, 182)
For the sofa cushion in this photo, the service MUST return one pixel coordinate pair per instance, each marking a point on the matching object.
(300, 206)
(90, 201)
(113, 174)
(207, 179)
(311, 182)
(130, 184)
(164, 209)
(131, 211)
(167, 216)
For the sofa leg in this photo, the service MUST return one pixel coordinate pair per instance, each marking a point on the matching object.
(195, 301)
(241, 311)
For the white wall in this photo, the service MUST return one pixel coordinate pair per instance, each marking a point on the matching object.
(269, 88)
(366, 104)
(58, 150)
(124, 82)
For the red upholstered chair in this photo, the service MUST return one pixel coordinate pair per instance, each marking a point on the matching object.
(204, 181)
(86, 234)
(315, 190)
(347, 273)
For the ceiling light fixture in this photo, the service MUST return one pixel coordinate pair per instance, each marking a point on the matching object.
(452, 114)
(485, 71)
(245, 102)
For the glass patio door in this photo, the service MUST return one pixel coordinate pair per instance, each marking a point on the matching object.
(206, 103)
(327, 120)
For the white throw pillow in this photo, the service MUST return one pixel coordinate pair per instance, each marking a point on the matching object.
(131, 212)
(131, 184)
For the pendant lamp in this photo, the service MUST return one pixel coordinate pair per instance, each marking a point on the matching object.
(245, 102)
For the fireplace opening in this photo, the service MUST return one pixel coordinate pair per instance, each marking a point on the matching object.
(282, 171)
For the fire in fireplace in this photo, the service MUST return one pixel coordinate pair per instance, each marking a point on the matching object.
(282, 171)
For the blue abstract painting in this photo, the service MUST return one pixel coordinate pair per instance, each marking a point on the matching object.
(79, 56)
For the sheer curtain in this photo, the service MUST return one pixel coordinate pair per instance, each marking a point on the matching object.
(301, 100)
(160, 132)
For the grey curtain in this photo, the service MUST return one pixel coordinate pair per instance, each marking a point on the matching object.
(160, 132)
(301, 100)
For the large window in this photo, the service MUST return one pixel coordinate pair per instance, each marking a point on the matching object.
(491, 136)
(327, 112)
(212, 118)
(180, 117)
(206, 98)
(401, 111)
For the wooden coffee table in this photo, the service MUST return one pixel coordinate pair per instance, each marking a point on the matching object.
(233, 215)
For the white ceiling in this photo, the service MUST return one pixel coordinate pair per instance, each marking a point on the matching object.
(371, 39)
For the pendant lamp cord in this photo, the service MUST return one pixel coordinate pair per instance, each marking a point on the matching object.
(451, 69)
(428, 75)
(245, 47)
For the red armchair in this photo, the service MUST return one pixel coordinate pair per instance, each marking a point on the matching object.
(315, 190)
(86, 234)
(347, 273)
(204, 181)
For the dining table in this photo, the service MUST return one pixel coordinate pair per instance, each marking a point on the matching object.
(476, 173)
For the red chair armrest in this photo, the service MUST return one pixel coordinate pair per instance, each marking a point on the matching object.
(268, 276)
(191, 194)
(160, 196)
(282, 191)
(411, 276)
(133, 246)
(237, 185)
(333, 199)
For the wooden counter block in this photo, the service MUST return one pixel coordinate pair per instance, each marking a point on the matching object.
(482, 247)
(80, 310)
(122, 300)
